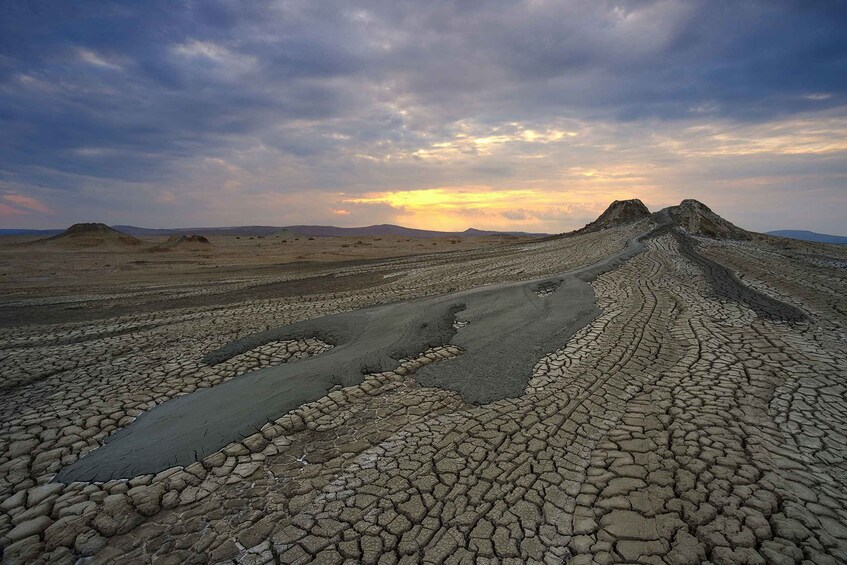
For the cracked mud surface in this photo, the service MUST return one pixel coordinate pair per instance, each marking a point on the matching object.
(502, 330)
(679, 426)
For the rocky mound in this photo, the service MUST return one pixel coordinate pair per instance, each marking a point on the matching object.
(82, 236)
(186, 239)
(189, 242)
(698, 219)
(285, 234)
(619, 213)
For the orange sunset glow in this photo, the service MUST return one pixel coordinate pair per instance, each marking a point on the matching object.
(449, 208)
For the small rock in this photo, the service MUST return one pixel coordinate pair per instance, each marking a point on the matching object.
(38, 494)
(29, 528)
(13, 501)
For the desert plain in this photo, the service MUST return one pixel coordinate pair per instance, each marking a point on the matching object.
(660, 388)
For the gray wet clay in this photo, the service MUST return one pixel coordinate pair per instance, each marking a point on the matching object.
(509, 328)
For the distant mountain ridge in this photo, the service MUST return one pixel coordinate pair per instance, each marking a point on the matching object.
(315, 231)
(805, 235)
(23, 231)
(693, 215)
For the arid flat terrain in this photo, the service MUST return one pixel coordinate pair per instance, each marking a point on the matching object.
(677, 394)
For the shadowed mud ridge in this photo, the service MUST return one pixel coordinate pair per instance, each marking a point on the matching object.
(727, 285)
(509, 328)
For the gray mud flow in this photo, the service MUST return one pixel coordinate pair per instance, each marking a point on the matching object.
(509, 328)
(723, 281)
(726, 285)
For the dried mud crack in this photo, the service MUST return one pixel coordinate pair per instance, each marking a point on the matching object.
(696, 414)
(508, 327)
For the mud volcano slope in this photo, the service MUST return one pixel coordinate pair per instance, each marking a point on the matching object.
(693, 217)
(510, 326)
(726, 285)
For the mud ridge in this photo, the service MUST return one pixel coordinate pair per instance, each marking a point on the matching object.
(726, 285)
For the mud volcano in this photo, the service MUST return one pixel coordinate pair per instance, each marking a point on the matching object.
(697, 218)
(81, 236)
(183, 242)
(619, 213)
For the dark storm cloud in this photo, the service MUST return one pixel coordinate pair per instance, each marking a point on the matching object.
(152, 82)
(138, 92)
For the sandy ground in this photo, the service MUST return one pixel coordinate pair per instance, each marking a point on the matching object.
(689, 422)
(42, 276)
(29, 269)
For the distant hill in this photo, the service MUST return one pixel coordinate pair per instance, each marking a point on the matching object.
(167, 232)
(810, 236)
(313, 231)
(393, 230)
(81, 236)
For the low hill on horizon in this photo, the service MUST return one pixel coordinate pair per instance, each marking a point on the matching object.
(805, 235)
(314, 231)
(691, 214)
(25, 231)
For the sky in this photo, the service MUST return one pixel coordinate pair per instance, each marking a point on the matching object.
(511, 115)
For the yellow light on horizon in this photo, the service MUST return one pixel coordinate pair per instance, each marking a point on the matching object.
(443, 198)
(457, 208)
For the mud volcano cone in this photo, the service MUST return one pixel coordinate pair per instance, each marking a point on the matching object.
(619, 213)
(698, 219)
(88, 235)
(184, 242)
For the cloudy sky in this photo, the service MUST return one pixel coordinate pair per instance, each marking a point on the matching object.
(494, 114)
